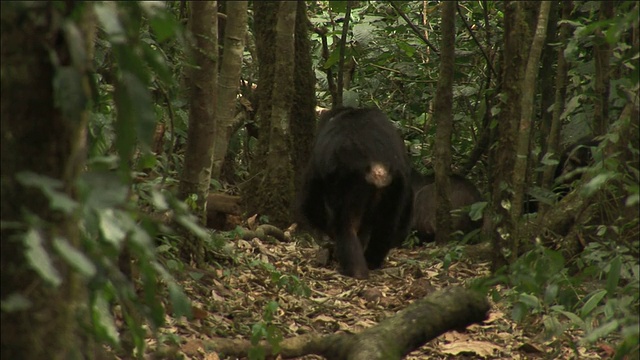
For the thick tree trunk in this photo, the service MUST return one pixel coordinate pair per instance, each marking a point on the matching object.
(43, 136)
(196, 175)
(235, 33)
(393, 338)
(443, 116)
(270, 189)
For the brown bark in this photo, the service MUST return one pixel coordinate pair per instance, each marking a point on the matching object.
(196, 174)
(501, 156)
(602, 80)
(553, 141)
(526, 116)
(303, 116)
(443, 116)
(42, 42)
(235, 34)
(393, 338)
(270, 190)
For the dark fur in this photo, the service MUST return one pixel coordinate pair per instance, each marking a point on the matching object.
(463, 193)
(357, 188)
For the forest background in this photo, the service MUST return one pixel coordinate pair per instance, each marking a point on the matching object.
(129, 127)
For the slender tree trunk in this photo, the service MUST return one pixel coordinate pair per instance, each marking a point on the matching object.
(499, 224)
(602, 52)
(553, 142)
(443, 117)
(41, 135)
(303, 111)
(196, 175)
(526, 115)
(235, 33)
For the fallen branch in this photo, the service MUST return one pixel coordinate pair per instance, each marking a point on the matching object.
(393, 338)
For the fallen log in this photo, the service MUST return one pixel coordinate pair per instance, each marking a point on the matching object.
(393, 338)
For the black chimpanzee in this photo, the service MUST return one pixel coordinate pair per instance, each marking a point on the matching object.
(357, 187)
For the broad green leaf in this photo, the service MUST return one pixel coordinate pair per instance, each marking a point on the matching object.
(613, 277)
(107, 14)
(74, 257)
(596, 183)
(189, 223)
(602, 331)
(69, 93)
(551, 293)
(591, 304)
(531, 301)
(103, 322)
(111, 227)
(180, 301)
(143, 110)
(103, 189)
(575, 319)
(39, 259)
(28, 178)
(15, 302)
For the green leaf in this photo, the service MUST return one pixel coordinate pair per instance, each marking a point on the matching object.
(551, 293)
(531, 301)
(111, 227)
(596, 183)
(103, 322)
(69, 94)
(143, 107)
(51, 188)
(74, 257)
(602, 331)
(591, 304)
(180, 301)
(103, 189)
(107, 14)
(189, 223)
(575, 319)
(39, 259)
(15, 302)
(613, 277)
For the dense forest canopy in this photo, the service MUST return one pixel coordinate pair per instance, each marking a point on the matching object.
(179, 176)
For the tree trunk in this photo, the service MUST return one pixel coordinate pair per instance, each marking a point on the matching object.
(42, 60)
(303, 111)
(196, 175)
(393, 338)
(553, 141)
(501, 156)
(526, 115)
(235, 33)
(443, 117)
(270, 188)
(602, 80)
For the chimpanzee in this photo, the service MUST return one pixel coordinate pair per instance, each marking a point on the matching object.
(463, 193)
(574, 158)
(357, 187)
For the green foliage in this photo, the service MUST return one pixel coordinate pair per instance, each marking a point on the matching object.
(114, 230)
(290, 283)
(602, 299)
(267, 330)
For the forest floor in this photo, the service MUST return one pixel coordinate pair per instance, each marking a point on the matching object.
(231, 297)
